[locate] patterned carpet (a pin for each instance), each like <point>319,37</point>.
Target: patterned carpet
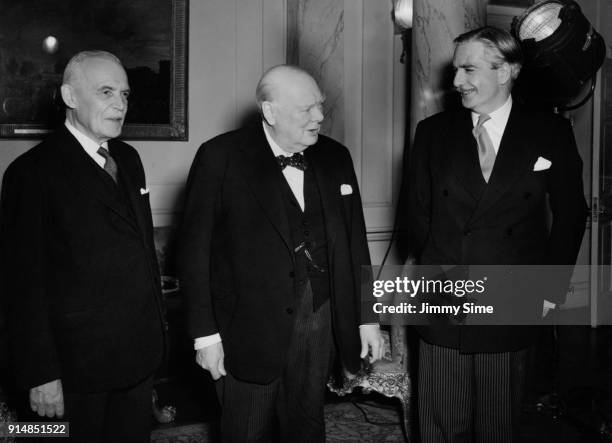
<point>195,433</point>
<point>345,422</point>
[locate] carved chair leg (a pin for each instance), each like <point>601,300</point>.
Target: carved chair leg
<point>406,419</point>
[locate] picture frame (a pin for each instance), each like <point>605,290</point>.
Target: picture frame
<point>150,37</point>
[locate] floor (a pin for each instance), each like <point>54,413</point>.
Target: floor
<point>580,413</point>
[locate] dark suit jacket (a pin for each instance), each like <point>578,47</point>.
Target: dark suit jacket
<point>235,252</point>
<point>81,279</point>
<point>458,219</point>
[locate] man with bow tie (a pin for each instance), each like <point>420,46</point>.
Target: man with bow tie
<point>479,184</point>
<point>81,285</point>
<point>270,252</point>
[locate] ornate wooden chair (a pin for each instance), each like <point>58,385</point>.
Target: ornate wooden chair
<point>388,376</point>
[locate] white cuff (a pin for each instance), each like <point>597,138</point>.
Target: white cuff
<point>202,342</point>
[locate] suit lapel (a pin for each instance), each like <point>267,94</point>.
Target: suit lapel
<point>464,163</point>
<point>131,190</point>
<point>81,170</point>
<point>265,179</point>
<point>328,190</point>
<point>512,161</point>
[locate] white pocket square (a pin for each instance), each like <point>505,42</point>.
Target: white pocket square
<point>346,189</point>
<point>541,164</point>
<point>144,191</point>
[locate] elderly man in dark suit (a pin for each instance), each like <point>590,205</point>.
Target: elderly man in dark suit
<point>479,182</point>
<point>271,248</point>
<point>82,285</point>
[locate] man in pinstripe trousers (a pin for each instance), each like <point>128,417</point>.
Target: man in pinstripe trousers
<point>272,243</point>
<point>479,182</point>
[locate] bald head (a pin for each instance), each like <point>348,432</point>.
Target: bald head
<point>74,67</point>
<point>291,105</point>
<point>277,78</point>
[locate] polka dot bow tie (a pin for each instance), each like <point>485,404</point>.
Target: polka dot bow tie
<point>296,160</point>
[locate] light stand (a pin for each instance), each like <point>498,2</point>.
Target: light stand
<point>563,52</point>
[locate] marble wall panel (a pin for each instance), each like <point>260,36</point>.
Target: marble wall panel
<point>316,43</point>
<point>435,24</point>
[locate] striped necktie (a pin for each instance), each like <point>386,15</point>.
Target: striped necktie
<point>109,165</point>
<point>486,152</point>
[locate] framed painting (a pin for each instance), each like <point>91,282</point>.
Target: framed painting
<point>38,37</point>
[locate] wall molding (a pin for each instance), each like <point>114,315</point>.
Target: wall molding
<point>375,107</point>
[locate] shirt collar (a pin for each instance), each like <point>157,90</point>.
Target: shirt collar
<point>276,150</point>
<point>90,146</point>
<point>499,117</point>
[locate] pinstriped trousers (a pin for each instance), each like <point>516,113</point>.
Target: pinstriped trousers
<point>289,409</point>
<point>465,398</point>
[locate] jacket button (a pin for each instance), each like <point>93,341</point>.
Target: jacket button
<point>306,233</point>
<point>467,233</point>
<point>291,274</point>
<point>289,311</point>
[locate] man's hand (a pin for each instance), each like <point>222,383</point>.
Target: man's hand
<point>211,359</point>
<point>371,340</point>
<point>48,399</point>
<point>547,307</point>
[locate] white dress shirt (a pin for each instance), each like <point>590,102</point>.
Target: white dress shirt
<point>90,146</point>
<point>294,176</point>
<point>496,125</point>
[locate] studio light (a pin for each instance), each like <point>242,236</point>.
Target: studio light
<point>563,52</point>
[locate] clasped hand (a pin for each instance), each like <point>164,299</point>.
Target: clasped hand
<point>372,342</point>
<point>48,399</point>
<point>211,358</point>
